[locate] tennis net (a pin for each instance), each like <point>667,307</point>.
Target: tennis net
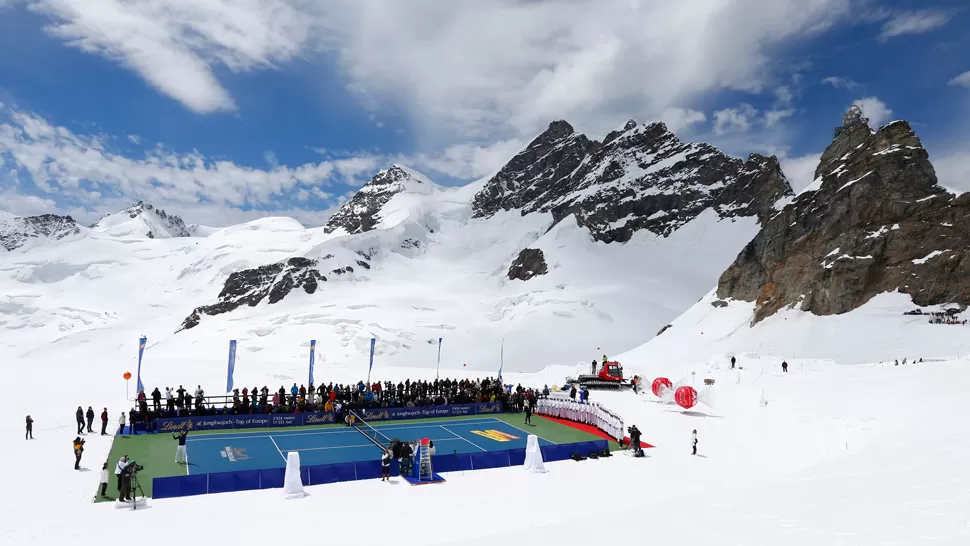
<point>370,432</point>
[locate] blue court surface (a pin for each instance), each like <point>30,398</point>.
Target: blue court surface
<point>224,452</point>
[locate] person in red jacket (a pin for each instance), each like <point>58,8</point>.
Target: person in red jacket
<point>104,422</point>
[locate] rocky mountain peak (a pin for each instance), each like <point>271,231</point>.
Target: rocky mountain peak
<point>157,223</point>
<point>362,212</point>
<point>641,177</point>
<point>19,231</point>
<point>873,221</point>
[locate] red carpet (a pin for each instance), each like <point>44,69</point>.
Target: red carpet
<point>591,430</point>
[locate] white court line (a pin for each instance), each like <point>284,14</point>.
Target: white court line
<point>466,439</point>
<point>263,433</point>
<point>277,448</point>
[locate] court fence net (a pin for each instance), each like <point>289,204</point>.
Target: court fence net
<point>369,431</point>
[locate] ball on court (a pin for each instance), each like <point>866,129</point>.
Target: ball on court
<point>464,364</point>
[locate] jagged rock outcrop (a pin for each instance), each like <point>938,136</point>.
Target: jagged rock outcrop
<point>529,263</point>
<point>17,231</point>
<point>251,286</point>
<point>362,212</point>
<point>640,177</point>
<point>873,221</point>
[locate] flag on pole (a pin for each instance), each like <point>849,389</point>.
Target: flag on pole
<point>373,341</point>
<point>232,364</point>
<point>439,359</point>
<point>313,346</point>
<point>141,351</point>
<point>501,357</point>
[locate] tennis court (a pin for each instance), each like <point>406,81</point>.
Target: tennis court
<point>223,452</point>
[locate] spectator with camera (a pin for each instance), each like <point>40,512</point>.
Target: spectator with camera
<point>78,450</point>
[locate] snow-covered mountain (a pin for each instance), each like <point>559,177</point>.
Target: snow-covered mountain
<point>638,230</point>
<point>27,231</point>
<point>144,220</point>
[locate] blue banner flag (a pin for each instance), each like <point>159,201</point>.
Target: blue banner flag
<point>501,357</point>
<point>232,364</point>
<point>313,347</point>
<point>439,359</point>
<point>141,350</point>
<point>373,341</point>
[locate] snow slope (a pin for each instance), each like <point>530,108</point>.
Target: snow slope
<point>863,455</point>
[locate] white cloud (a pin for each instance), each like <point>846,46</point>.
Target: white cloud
<point>505,68</point>
<point>738,119</point>
<point>467,161</point>
<point>680,119</point>
<point>800,170</point>
<point>68,167</point>
<point>962,80</point>
<point>913,22</point>
<point>953,170</point>
<point>783,96</point>
<point>840,83</point>
<point>772,117</point>
<point>876,110</point>
<point>175,44</point>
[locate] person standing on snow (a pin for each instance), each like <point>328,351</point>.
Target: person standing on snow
<point>78,450</point>
<point>90,416</point>
<point>121,421</point>
<point>30,429</point>
<point>784,366</point>
<point>104,422</point>
<point>593,367</point>
<point>733,361</point>
<point>79,417</point>
<point>181,449</point>
<point>693,442</point>
<point>104,480</point>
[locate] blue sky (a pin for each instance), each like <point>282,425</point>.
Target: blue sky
<point>227,110</point>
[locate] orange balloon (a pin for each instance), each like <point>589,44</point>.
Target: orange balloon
<point>127,376</point>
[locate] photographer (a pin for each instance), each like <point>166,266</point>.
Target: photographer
<point>78,450</point>
<point>128,476</point>
<point>635,441</point>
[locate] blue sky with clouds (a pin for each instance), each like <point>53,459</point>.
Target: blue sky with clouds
<point>227,110</point>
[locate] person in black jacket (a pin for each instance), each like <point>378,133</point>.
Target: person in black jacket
<point>104,422</point>
<point>79,415</point>
<point>30,429</point>
<point>157,400</point>
<point>90,416</point>
<point>528,413</point>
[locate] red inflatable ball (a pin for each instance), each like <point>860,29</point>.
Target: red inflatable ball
<point>660,384</point>
<point>686,397</point>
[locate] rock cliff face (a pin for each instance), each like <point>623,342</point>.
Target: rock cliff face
<point>17,231</point>
<point>251,286</point>
<point>873,221</point>
<point>362,213</point>
<point>640,177</point>
<point>529,263</point>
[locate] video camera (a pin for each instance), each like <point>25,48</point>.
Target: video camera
<point>133,467</point>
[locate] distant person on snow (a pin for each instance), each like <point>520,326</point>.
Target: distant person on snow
<point>90,416</point>
<point>784,367</point>
<point>121,421</point>
<point>181,436</point>
<point>79,417</point>
<point>733,362</point>
<point>104,422</point>
<point>104,480</point>
<point>693,441</point>
<point>30,429</point>
<point>593,367</point>
<point>78,450</point>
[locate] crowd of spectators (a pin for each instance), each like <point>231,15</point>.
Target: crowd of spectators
<point>338,398</point>
<point>950,316</point>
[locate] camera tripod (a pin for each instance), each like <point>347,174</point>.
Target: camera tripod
<point>135,486</point>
